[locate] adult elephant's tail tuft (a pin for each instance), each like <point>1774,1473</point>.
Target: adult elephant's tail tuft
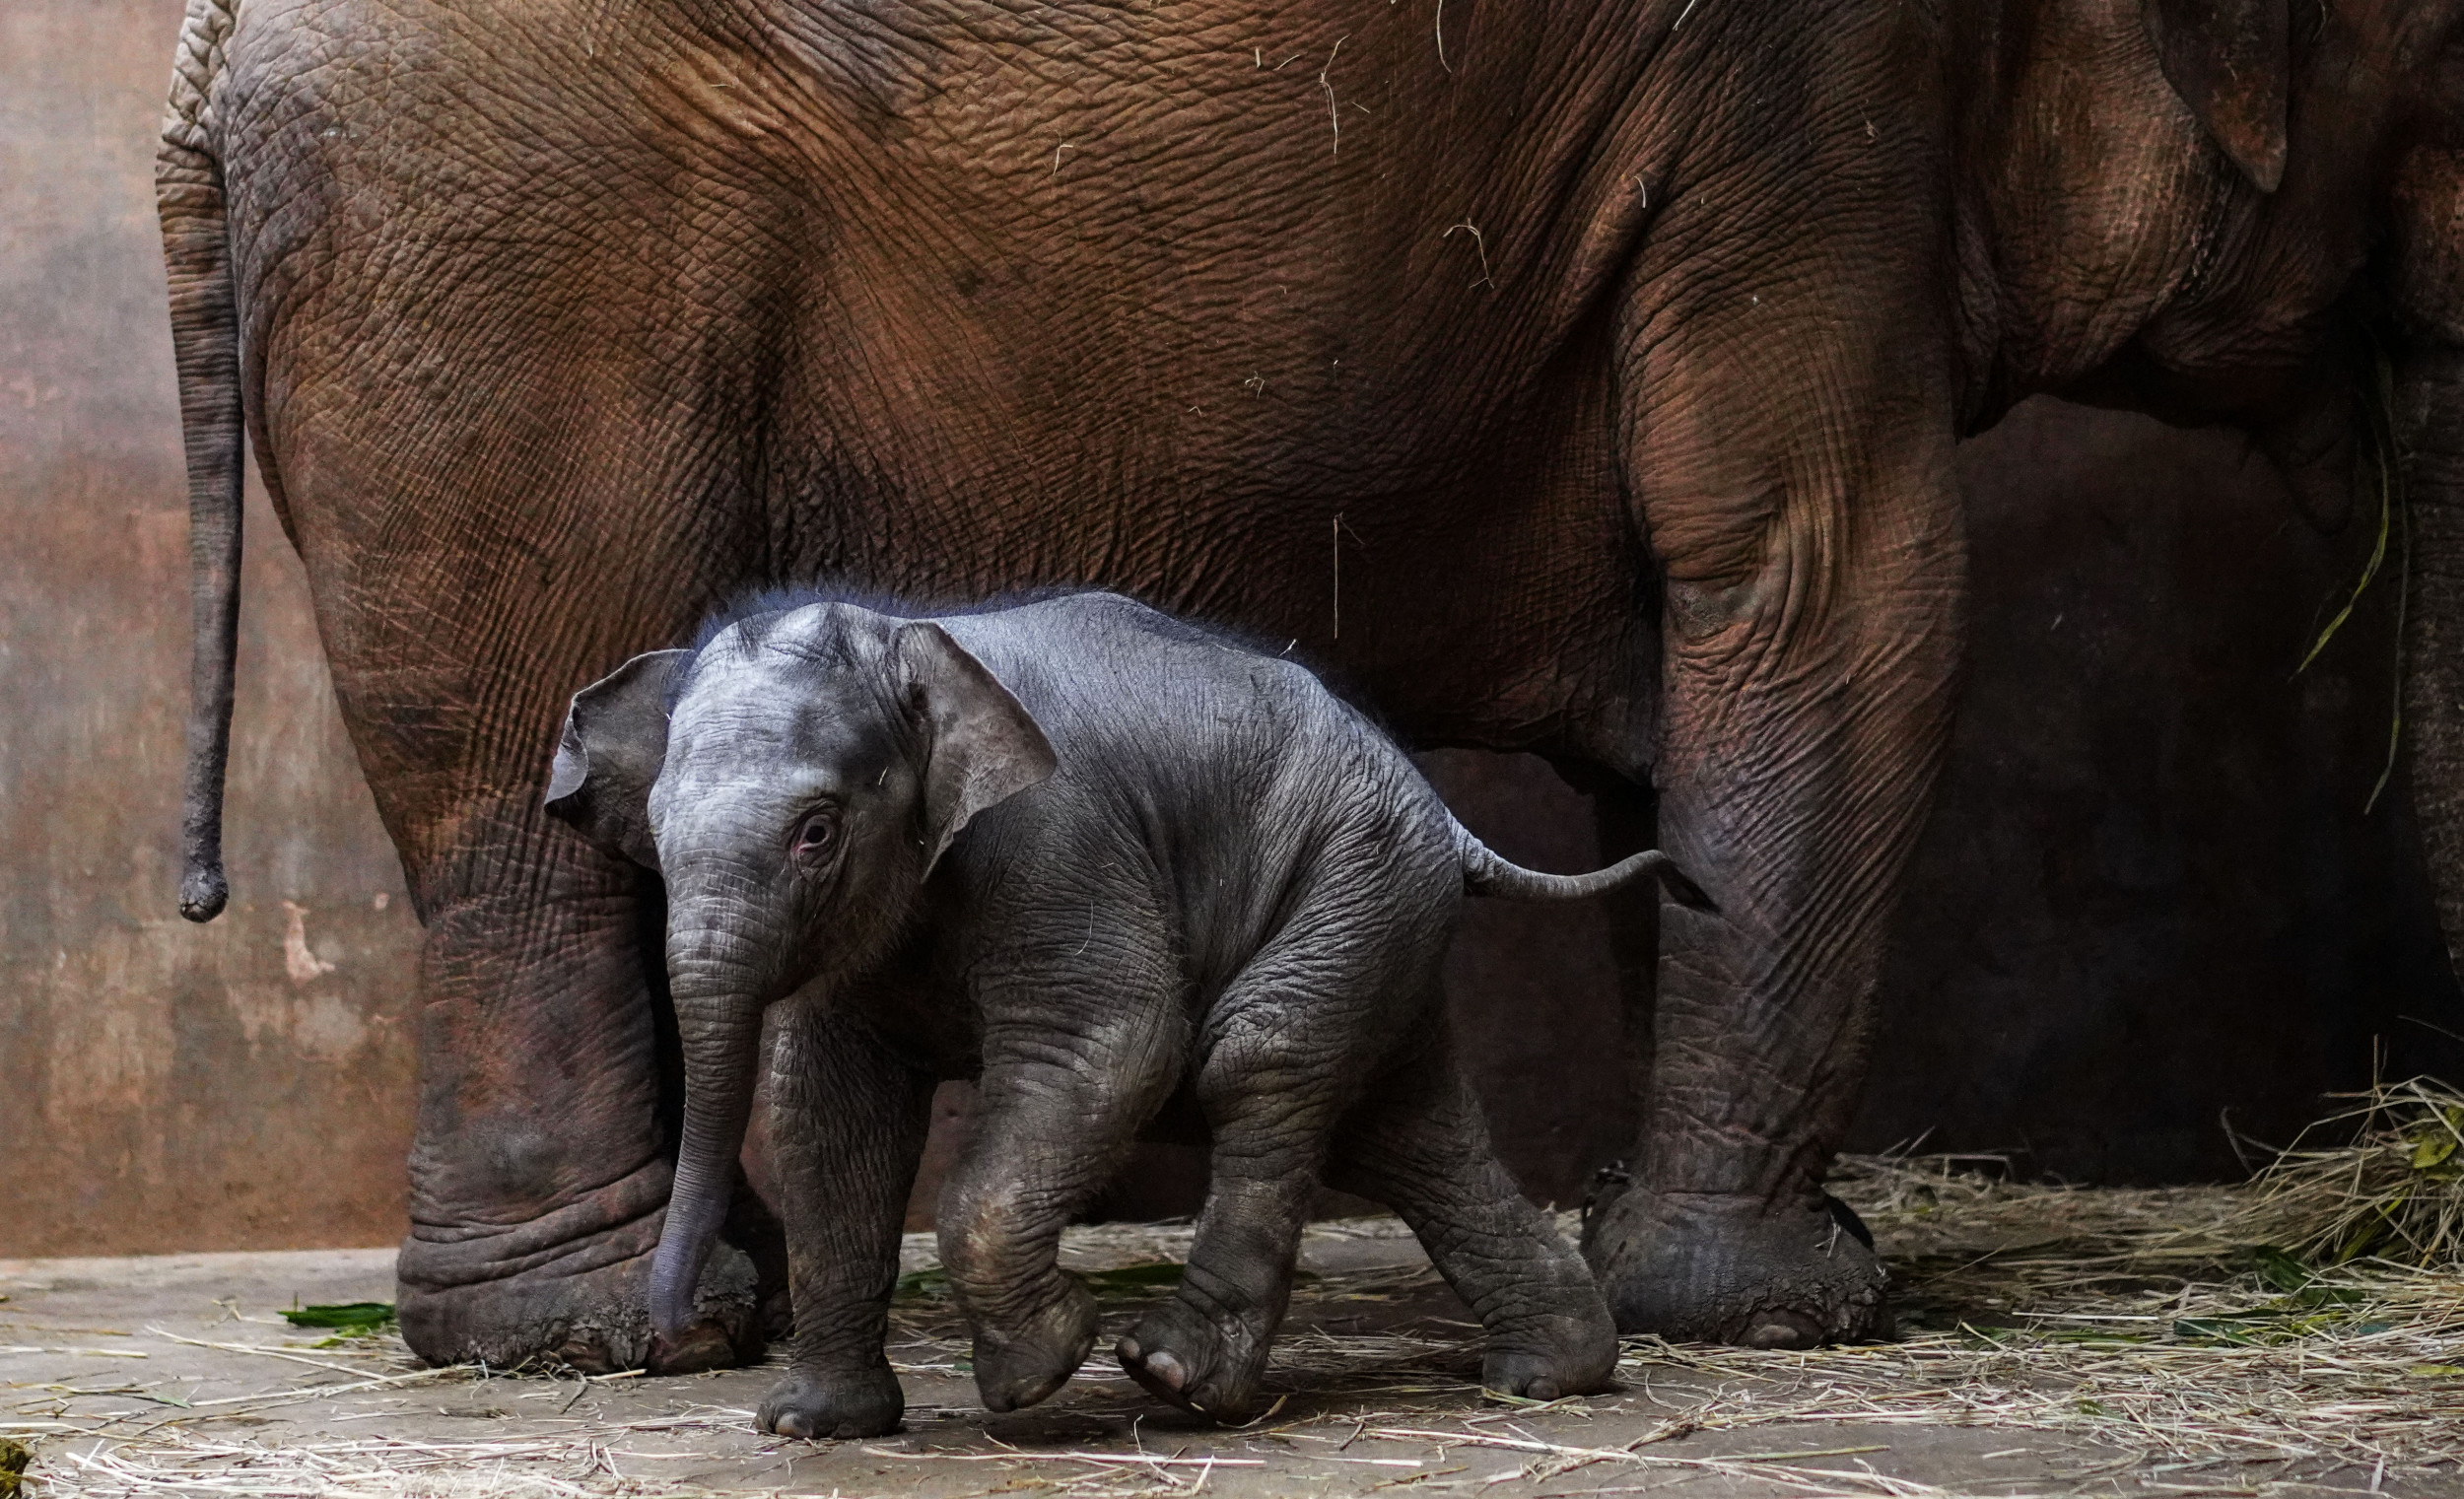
<point>1485,872</point>
<point>205,338</point>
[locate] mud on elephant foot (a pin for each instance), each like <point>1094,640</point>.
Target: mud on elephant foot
<point>1699,1268</point>
<point>596,1320</point>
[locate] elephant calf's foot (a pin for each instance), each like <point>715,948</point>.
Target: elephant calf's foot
<point>1571,1352</point>
<point>819,1404</point>
<point>1697,1267</point>
<point>1022,1365</point>
<point>1179,1355</point>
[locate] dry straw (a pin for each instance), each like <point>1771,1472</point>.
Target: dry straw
<point>2383,1180</point>
<point>2310,1323</point>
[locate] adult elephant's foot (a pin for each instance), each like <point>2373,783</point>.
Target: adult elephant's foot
<point>1696,1267</point>
<point>571,1287</point>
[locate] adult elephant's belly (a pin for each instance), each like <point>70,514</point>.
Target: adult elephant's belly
<point>553,359</point>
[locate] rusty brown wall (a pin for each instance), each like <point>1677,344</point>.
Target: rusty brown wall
<point>2151,894</point>
<point>161,1086</point>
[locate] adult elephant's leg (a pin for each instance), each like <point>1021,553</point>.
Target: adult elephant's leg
<point>540,1169</point>
<point>1626,818</point>
<point>1789,447</point>
<point>2431,401</point>
<point>473,564</point>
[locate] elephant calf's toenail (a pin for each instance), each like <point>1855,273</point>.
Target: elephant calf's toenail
<point>1167,1370</point>
<point>792,1425</point>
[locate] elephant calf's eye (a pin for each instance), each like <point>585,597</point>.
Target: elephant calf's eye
<point>815,836</point>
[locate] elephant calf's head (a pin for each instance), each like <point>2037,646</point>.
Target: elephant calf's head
<point>794,782</point>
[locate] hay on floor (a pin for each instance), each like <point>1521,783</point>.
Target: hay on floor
<point>2383,1179</point>
<point>2314,1316</point>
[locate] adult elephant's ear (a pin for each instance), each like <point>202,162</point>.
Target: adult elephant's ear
<point>982,746</point>
<point>615,740</point>
<point>2232,62</point>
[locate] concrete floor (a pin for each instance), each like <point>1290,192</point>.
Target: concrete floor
<point>180,1372</point>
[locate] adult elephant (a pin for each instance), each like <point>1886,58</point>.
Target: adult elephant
<point>1576,376</point>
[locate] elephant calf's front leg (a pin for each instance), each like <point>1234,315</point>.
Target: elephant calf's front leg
<point>851,1129</point>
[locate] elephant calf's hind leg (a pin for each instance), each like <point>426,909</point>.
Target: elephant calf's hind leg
<point>1419,1144</point>
<point>1292,1040</point>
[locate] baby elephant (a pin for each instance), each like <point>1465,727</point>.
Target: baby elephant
<point>1188,876</point>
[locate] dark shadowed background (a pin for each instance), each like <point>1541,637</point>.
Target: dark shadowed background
<point>2151,894</point>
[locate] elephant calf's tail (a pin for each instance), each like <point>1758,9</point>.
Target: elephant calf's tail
<point>1485,872</point>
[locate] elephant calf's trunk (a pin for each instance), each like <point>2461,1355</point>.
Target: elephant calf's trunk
<point>721,1052</point>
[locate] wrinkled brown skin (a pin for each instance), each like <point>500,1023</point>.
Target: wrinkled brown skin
<point>1617,353</point>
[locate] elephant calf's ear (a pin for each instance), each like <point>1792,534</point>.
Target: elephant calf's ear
<point>615,740</point>
<point>982,746</point>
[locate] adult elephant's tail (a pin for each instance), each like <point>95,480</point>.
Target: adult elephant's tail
<point>205,338</point>
<point>1486,872</point>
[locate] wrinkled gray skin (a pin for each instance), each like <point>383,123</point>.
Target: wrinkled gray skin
<point>1190,879</point>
